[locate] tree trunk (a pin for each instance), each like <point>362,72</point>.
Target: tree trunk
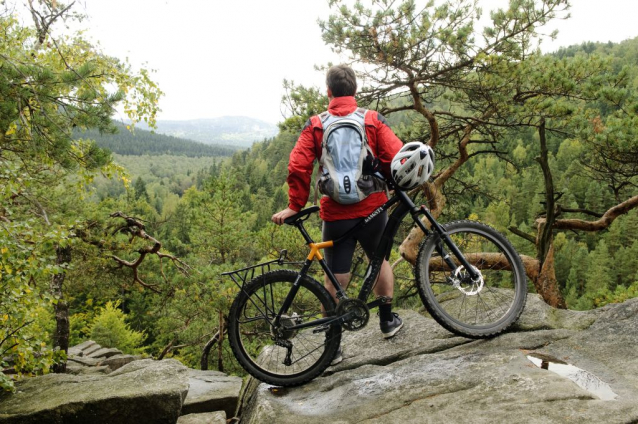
<point>546,284</point>
<point>433,191</point>
<point>545,232</point>
<point>61,308</point>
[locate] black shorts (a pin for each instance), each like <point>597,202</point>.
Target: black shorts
<point>339,257</point>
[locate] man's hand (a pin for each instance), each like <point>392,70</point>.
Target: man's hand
<point>279,217</point>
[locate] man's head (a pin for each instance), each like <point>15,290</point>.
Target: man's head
<point>341,81</point>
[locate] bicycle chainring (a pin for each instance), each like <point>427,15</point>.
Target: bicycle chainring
<point>358,309</point>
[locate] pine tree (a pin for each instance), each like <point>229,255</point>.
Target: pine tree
<point>140,190</point>
<point>599,275</point>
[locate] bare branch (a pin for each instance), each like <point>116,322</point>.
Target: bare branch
<point>523,234</point>
<point>135,228</point>
<point>604,222</point>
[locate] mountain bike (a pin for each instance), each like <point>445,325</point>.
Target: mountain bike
<point>284,327</point>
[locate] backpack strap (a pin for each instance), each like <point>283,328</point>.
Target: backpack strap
<point>323,116</point>
<point>322,119</point>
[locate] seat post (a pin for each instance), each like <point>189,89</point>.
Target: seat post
<point>304,233</point>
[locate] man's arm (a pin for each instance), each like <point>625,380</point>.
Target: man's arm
<point>300,168</point>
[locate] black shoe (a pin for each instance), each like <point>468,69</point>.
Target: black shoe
<point>390,328</point>
<point>338,357</point>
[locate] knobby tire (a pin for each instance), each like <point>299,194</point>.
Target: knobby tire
<point>472,310</point>
<point>251,333</point>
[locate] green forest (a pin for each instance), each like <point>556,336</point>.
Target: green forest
<point>141,142</point>
<point>123,239</point>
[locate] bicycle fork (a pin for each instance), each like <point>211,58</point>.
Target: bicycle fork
<point>443,235</point>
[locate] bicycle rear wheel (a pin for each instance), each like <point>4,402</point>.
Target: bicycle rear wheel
<point>275,353</point>
<point>478,308</point>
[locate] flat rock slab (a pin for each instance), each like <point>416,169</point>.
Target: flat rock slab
<point>426,375</point>
<point>78,350</point>
<point>145,391</point>
<point>118,361</point>
<point>218,417</point>
<point>83,360</point>
<point>211,391</point>
<point>74,368</point>
<point>419,335</point>
<point>105,353</point>
<point>89,350</point>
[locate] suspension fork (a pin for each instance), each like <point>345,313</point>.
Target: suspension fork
<point>443,235</point>
<point>440,231</point>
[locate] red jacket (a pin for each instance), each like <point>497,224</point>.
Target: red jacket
<point>383,142</point>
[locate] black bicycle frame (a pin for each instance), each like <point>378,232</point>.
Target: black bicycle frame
<point>382,252</point>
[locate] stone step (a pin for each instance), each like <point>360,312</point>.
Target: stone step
<point>145,391</point>
<point>78,350</point>
<point>117,361</point>
<point>104,353</point>
<point>211,391</point>
<point>218,417</point>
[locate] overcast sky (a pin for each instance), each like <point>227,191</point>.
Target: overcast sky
<point>229,57</point>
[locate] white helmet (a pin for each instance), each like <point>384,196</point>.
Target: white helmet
<point>412,165</point>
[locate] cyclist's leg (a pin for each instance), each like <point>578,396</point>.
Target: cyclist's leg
<point>339,257</point>
<point>385,283</point>
<point>343,279</point>
<point>369,238</point>
<point>389,323</point>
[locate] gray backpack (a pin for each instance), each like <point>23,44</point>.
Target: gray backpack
<point>345,155</point>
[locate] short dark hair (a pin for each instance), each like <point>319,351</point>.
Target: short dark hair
<point>341,80</point>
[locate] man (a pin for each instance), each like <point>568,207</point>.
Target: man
<point>339,218</point>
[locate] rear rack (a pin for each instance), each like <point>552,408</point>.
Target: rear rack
<point>241,276</point>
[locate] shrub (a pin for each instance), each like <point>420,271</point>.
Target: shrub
<point>109,329</point>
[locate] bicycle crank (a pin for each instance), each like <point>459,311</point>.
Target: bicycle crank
<point>355,312</point>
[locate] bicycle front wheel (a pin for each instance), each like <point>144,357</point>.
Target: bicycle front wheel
<point>272,351</point>
<point>475,308</point>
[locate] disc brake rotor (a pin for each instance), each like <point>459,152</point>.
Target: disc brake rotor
<point>465,284</point>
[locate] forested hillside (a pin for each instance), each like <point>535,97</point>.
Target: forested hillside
<point>127,249</point>
<point>142,142</point>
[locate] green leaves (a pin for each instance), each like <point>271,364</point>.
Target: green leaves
<point>25,259</point>
<point>110,329</point>
<point>302,103</point>
<point>50,85</point>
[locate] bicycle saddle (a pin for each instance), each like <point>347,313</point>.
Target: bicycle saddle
<point>301,214</point>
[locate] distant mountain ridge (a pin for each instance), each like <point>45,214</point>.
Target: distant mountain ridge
<point>238,131</point>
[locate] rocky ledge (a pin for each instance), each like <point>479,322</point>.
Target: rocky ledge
<point>106,386</point>
<point>555,366</point>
